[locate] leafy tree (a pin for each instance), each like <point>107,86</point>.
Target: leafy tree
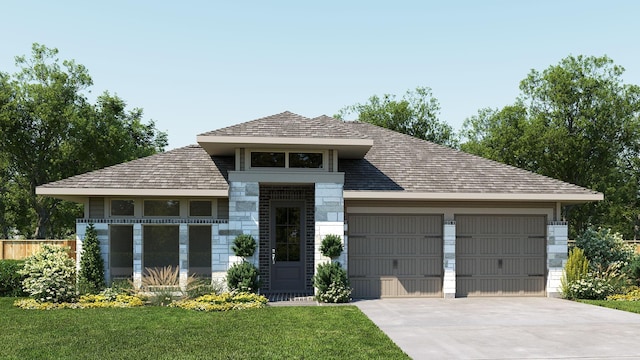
<point>91,275</point>
<point>49,131</point>
<point>575,121</point>
<point>416,114</point>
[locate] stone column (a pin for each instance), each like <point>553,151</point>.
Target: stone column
<point>557,236</point>
<point>137,255</point>
<point>183,254</point>
<point>219,252</point>
<point>449,259</point>
<point>244,218</point>
<point>81,230</point>
<point>329,219</point>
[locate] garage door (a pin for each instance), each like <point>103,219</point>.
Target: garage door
<point>395,255</point>
<point>500,255</point>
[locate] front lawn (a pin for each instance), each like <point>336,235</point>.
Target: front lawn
<point>315,332</point>
<point>630,306</point>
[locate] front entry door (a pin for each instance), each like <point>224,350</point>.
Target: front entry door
<point>287,247</point>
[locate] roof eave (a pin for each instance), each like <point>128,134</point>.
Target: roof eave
<point>67,192</point>
<point>226,145</point>
<point>428,196</point>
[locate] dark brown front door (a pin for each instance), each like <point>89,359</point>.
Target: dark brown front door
<point>287,246</point>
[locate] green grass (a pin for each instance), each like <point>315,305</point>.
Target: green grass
<point>315,332</point>
<point>630,306</point>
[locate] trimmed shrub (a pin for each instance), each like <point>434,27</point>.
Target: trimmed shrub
<point>331,246</point>
<point>243,277</point>
<point>91,275</point>
<point>332,283</point>
<point>576,268</point>
<point>50,275</point>
<point>603,247</point>
<point>244,245</point>
<point>10,279</point>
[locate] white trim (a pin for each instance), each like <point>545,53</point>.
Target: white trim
<point>406,195</point>
<point>450,212</point>
<point>226,145</point>
<point>122,192</point>
<point>269,140</point>
<point>284,176</point>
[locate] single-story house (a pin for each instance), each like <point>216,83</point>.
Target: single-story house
<point>417,219</point>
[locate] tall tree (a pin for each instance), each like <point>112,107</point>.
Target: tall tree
<point>575,121</point>
<point>416,114</point>
<point>49,131</point>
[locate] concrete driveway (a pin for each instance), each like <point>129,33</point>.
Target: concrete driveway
<point>505,328</point>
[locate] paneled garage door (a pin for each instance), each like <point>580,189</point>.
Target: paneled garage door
<point>500,255</point>
<point>395,255</point>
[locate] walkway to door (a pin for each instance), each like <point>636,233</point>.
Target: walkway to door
<point>505,328</point>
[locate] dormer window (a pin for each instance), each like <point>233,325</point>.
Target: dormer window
<point>288,159</point>
<point>305,160</point>
<point>267,159</point>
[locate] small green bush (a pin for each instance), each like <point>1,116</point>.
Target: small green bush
<point>633,270</point>
<point>576,268</point>
<point>331,246</point>
<point>50,275</point>
<point>243,277</point>
<point>603,247</point>
<point>332,283</point>
<point>10,279</point>
<point>91,274</point>
<point>244,245</point>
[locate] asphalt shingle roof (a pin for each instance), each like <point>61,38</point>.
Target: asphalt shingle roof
<point>401,162</point>
<point>288,124</point>
<point>395,162</point>
<point>189,167</point>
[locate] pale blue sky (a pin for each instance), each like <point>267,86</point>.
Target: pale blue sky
<point>195,66</point>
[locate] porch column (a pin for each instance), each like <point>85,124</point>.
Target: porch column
<point>449,259</point>
<point>329,219</point>
<point>219,254</point>
<point>137,255</point>
<point>183,255</point>
<point>81,230</point>
<point>243,219</point>
<point>557,253</point>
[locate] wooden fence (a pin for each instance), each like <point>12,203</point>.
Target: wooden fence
<point>635,243</point>
<point>20,249</point>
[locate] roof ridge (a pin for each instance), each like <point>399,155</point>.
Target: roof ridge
<point>245,123</point>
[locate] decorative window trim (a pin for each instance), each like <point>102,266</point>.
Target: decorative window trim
<point>125,221</point>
